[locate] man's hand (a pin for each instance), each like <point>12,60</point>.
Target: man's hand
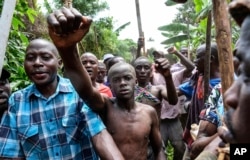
<point>163,66</point>
<point>67,27</point>
<point>171,50</point>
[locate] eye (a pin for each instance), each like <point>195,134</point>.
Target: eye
<point>46,57</point>
<point>93,62</point>
<point>115,80</point>
<point>147,67</point>
<point>138,67</point>
<point>30,58</point>
<point>127,78</point>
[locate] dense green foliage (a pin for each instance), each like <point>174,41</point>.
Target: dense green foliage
<point>29,22</point>
<point>189,27</point>
<point>18,40</point>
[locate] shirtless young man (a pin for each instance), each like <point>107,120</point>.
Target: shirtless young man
<point>130,123</point>
<point>156,93</point>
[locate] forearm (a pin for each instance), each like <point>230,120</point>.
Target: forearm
<point>106,147</point>
<point>74,70</point>
<point>185,61</point>
<point>199,144</point>
<point>171,90</point>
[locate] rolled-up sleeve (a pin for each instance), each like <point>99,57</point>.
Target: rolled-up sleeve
<point>94,122</point>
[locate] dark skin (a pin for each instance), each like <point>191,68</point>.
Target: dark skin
<point>102,72</point>
<point>41,63</point>
<point>143,71</point>
<point>237,96</point>
<point>199,63</point>
<point>131,124</point>
<point>90,62</point>
<point>182,55</point>
<point>207,132</point>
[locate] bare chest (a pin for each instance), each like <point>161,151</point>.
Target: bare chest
<point>128,127</point>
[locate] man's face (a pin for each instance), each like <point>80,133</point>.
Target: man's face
<point>199,60</point>
<point>143,70</point>
<point>4,91</point>
<point>237,95</point>
<point>90,63</point>
<point>41,63</point>
<point>122,82</point>
<point>184,52</point>
<point>101,73</point>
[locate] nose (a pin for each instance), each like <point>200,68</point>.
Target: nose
<point>142,69</point>
<point>123,82</point>
<point>231,96</point>
<point>38,61</point>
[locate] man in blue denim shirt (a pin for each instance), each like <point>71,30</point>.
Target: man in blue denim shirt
<point>48,120</point>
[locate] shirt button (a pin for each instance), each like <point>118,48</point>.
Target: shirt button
<point>57,154</point>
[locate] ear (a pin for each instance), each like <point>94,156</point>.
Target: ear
<point>60,64</point>
<point>212,58</point>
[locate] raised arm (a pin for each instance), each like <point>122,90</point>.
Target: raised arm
<point>67,27</point>
<point>184,60</point>
<point>169,92</point>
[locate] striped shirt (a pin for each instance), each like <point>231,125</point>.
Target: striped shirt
<point>58,127</point>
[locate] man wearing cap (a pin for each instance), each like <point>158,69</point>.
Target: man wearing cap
<point>106,58</point>
<point>4,91</point>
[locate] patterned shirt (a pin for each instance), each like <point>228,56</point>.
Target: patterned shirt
<point>59,127</point>
<point>214,107</point>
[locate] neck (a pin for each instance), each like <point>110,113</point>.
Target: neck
<point>143,84</point>
<point>48,89</point>
<point>126,104</point>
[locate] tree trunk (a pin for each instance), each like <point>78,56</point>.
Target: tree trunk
<point>223,39</point>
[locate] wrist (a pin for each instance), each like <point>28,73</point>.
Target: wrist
<point>168,77</point>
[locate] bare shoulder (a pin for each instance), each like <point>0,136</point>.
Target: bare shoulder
<point>158,87</point>
<point>145,107</point>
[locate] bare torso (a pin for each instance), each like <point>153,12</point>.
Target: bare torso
<point>130,129</point>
